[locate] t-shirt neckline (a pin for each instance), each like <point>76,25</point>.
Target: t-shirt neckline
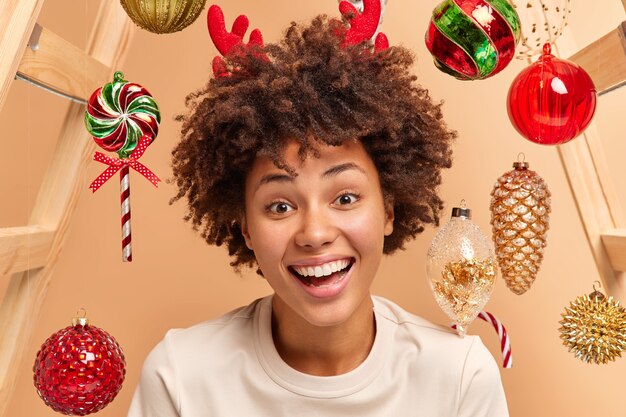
<point>318,386</point>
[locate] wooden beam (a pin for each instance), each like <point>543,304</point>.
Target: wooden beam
<point>55,204</point>
<point>593,208</point>
<point>605,60</point>
<point>615,244</point>
<point>24,248</point>
<point>62,67</point>
<point>17,18</point>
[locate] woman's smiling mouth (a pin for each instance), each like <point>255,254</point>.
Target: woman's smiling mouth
<point>323,280</point>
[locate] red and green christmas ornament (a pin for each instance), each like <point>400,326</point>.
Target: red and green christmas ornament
<point>119,114</point>
<point>122,117</point>
<point>473,39</point>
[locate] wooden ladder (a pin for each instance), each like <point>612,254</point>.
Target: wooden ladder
<point>28,253</point>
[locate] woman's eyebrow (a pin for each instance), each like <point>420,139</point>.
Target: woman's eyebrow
<point>338,169</point>
<point>333,171</point>
<point>273,178</point>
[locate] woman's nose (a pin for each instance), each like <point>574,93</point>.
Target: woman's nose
<point>316,229</point>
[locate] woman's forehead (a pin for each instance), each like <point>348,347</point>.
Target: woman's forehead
<point>318,155</point>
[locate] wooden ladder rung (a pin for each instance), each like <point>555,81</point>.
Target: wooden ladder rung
<point>605,60</point>
<point>60,66</point>
<point>615,244</point>
<point>24,248</point>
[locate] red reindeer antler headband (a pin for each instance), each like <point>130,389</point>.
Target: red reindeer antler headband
<point>363,25</point>
<point>226,41</point>
<point>362,28</point>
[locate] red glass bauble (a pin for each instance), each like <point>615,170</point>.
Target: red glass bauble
<point>79,370</point>
<point>551,101</point>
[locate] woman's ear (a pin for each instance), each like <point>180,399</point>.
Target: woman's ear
<point>245,233</point>
<point>389,216</point>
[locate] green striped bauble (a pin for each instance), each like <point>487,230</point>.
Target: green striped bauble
<point>473,39</point>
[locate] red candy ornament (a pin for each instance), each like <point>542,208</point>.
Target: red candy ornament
<point>79,370</point>
<point>551,101</point>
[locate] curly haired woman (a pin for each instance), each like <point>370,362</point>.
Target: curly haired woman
<point>309,162</point>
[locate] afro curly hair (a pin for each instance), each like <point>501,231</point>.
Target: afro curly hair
<point>310,90</point>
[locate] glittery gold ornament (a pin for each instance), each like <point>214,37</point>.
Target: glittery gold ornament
<point>594,328</point>
<point>163,16</point>
<point>520,208</point>
<point>464,288</point>
<point>461,268</point>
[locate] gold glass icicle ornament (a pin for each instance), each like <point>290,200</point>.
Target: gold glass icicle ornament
<point>520,208</point>
<point>594,328</point>
<point>461,269</point>
<point>163,16</point>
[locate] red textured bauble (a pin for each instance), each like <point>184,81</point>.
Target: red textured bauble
<point>79,370</point>
<point>551,101</point>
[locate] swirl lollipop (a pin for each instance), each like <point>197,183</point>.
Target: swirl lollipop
<point>122,117</point>
<point>119,114</point>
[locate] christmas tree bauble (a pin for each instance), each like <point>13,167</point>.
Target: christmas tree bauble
<point>163,16</point>
<point>551,101</point>
<point>520,216</point>
<point>594,328</point>
<point>79,370</point>
<point>473,39</point>
<point>461,269</point>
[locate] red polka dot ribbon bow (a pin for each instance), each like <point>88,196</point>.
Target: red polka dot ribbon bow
<point>115,164</point>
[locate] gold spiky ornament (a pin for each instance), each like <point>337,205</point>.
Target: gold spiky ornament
<point>594,328</point>
<point>520,208</point>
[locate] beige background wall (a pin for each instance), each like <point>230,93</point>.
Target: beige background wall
<point>176,279</point>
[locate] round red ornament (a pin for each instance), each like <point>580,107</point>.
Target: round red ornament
<point>79,370</point>
<point>551,101</point>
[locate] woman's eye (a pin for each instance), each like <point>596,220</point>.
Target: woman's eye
<point>348,198</point>
<point>278,207</point>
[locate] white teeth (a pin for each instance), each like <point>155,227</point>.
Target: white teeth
<point>321,270</point>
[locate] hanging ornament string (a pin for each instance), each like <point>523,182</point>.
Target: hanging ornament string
<point>505,341</point>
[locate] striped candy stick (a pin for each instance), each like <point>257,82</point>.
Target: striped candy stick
<point>123,165</point>
<point>505,342</point>
<point>127,253</point>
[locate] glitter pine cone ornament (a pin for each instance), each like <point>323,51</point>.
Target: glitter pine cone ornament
<point>80,369</point>
<point>594,328</point>
<point>520,208</point>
